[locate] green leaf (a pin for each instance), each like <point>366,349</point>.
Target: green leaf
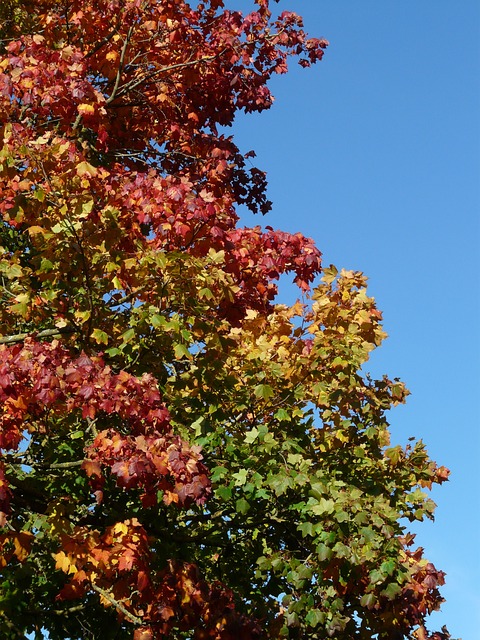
<point>181,351</point>
<point>99,336</point>
<point>39,194</point>
<point>388,567</point>
<point>342,516</point>
<point>13,271</point>
<point>323,506</point>
<point>315,617</point>
<point>368,600</point>
<point>376,576</point>
<point>392,590</point>
<point>206,294</point>
<point>128,335</point>
<point>280,483</point>
<point>264,391</point>
<point>394,454</point>
<point>282,415</point>
<point>240,477</point>
<point>157,320</point>
<point>225,493</point>
<point>242,506</point>
<point>20,308</point>
<point>324,552</point>
<point>368,534</point>
<point>112,352</point>
<point>46,266</point>
<point>251,436</point>
<point>218,473</point>
<point>306,529</point>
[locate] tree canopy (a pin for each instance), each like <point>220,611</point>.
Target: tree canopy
<point>182,456</point>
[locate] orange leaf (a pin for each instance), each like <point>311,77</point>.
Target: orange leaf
<point>22,543</point>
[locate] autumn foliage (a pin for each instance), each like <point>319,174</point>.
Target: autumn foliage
<point>181,455</point>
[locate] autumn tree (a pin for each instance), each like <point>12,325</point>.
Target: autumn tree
<point>181,455</point>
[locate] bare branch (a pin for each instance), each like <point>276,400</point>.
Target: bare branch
<point>62,612</point>
<point>128,297</point>
<point>91,427</point>
<point>66,465</point>
<point>46,333</point>
<point>120,66</point>
<point>117,605</point>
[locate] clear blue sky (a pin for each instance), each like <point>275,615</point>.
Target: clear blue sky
<point>376,155</point>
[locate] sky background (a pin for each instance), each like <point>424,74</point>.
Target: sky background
<point>375,153</point>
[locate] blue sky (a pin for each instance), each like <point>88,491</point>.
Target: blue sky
<point>376,155</point>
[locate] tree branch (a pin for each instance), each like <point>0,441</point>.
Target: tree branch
<point>46,333</point>
<point>102,43</point>
<point>91,427</point>
<point>62,612</point>
<point>66,465</point>
<point>133,84</point>
<point>117,605</point>
<point>126,298</point>
<point>12,627</point>
<point>111,98</point>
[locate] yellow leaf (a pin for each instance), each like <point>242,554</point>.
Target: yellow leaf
<point>65,146</point>
<point>120,527</point>
<point>42,139</point>
<point>105,602</point>
<point>64,562</point>
<point>58,522</point>
<point>35,230</point>
<point>82,316</point>
<point>85,109</point>
<point>86,169</point>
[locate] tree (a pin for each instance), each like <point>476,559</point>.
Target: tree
<point>181,455</point>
